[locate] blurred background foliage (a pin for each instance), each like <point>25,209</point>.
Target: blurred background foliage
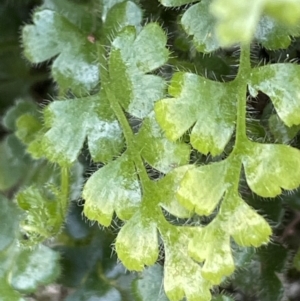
<point>80,264</point>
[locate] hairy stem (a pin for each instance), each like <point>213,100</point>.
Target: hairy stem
<point>117,109</point>
<point>241,79</point>
<point>65,190</point>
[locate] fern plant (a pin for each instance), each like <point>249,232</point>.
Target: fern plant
<point>178,154</point>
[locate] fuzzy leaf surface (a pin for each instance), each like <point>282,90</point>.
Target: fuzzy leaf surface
<point>182,275</point>
<point>53,35</point>
<point>199,22</point>
<point>157,150</point>
<point>113,187</point>
<point>270,167</point>
<point>137,242</point>
<point>134,54</point>
<point>202,188</point>
<point>206,106</point>
<point>247,227</point>
<point>70,122</point>
<point>125,13</point>
<point>284,95</point>
<point>272,34</point>
<point>216,252</point>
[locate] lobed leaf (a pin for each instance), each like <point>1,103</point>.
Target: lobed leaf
<point>70,122</point>
<point>272,34</point>
<point>284,95</point>
<point>207,104</point>
<point>182,275</point>
<point>246,226</point>
<point>75,66</point>
<point>212,245</point>
<point>120,15</point>
<point>199,22</point>
<point>133,55</point>
<point>114,187</point>
<point>137,242</point>
<point>269,168</point>
<point>159,152</point>
<point>201,189</point>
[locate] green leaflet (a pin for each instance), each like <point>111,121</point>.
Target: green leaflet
<point>137,242</point>
<point>183,276</point>
<point>202,188</point>
<point>75,66</point>
<point>272,34</point>
<point>121,15</point>
<point>271,167</point>
<point>284,96</point>
<point>114,187</point>
<point>207,104</point>
<point>134,54</point>
<point>70,122</point>
<point>212,245</point>
<point>204,32</point>
<point>33,268</point>
<point>158,151</point>
<point>81,14</point>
